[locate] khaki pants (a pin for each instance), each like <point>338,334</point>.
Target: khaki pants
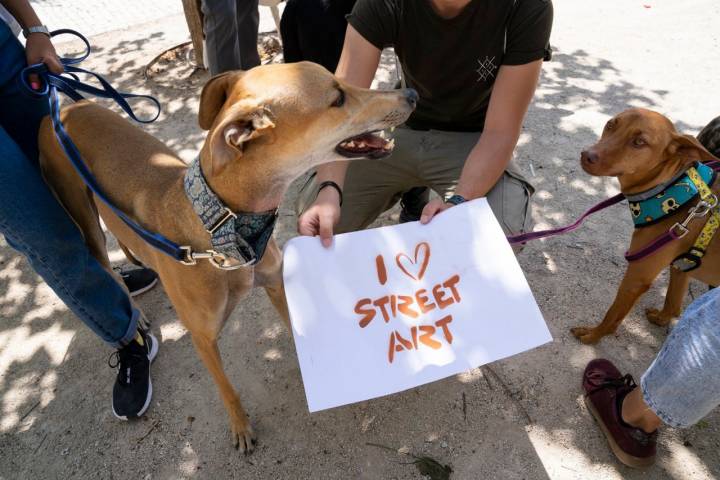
<point>430,158</point>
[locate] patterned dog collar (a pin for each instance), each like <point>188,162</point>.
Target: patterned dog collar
<point>239,235</point>
<point>652,206</point>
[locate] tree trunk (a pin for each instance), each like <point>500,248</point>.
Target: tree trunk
<point>194,18</point>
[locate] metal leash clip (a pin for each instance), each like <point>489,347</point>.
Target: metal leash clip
<point>217,259</point>
<point>698,211</point>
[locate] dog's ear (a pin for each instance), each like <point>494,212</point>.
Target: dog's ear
<point>232,134</point>
<point>689,147</point>
<point>213,97</point>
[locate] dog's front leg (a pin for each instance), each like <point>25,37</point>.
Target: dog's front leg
<point>276,293</point>
<point>242,433</point>
<point>631,288</point>
<point>269,275</point>
<point>676,291</point>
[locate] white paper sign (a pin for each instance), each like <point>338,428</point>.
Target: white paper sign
<point>391,308</point>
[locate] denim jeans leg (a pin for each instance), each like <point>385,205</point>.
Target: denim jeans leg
<point>681,386</point>
<point>35,223</point>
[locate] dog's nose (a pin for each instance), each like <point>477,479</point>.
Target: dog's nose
<point>589,156</point>
<point>411,96</point>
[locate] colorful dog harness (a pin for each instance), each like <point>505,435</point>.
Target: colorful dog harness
<point>654,205</point>
<point>692,259</point>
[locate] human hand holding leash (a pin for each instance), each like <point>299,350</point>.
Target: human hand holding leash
<point>39,49</point>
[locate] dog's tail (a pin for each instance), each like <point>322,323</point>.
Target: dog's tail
<point>709,137</point>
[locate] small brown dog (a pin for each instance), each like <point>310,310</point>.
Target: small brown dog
<point>267,126</point>
<point>643,150</point>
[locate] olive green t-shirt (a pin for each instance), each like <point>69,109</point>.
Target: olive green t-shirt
<point>452,63</point>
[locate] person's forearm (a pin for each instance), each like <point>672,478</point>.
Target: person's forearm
<point>333,172</point>
<point>486,163</point>
<point>357,65</point>
<point>23,12</point>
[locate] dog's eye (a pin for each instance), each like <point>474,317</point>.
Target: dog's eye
<point>340,100</point>
<point>609,125</point>
<point>638,142</point>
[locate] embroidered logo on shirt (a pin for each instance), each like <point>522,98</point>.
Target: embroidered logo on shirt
<point>487,68</point>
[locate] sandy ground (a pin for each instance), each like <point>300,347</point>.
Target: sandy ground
<point>55,384</point>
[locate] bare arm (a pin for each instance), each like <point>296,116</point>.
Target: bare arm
<point>513,91</point>
<point>38,48</point>
<point>357,67</point>
<point>23,12</point>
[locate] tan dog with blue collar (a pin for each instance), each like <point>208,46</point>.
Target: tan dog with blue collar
<point>648,156</point>
<point>266,127</point>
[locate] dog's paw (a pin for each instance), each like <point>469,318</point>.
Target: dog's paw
<point>243,436</point>
<point>586,335</point>
<point>657,317</point>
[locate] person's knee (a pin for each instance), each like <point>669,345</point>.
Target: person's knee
<point>510,200</point>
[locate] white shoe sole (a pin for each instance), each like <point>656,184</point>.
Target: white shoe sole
<point>144,289</point>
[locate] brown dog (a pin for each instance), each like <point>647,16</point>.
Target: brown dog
<point>267,126</point>
<point>642,149</point>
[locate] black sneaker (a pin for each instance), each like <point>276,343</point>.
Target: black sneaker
<point>138,279</point>
<point>412,202</point>
<point>132,391</point>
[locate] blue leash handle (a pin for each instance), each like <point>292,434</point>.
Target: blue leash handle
<point>69,84</point>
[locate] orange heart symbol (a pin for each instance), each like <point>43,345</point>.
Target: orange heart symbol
<point>407,265</point>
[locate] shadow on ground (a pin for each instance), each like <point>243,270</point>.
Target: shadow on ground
<point>55,385</point>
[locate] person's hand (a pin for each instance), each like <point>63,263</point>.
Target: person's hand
<point>39,49</point>
<point>432,208</point>
<point>321,217</point>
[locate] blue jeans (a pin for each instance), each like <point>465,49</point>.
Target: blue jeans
<point>36,225</point>
<point>683,383</point>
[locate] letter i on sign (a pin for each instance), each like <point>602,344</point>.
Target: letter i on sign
<point>381,270</point>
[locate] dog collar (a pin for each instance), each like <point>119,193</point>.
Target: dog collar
<point>655,204</point>
<point>242,236</point>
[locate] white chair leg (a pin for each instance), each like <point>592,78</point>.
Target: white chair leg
<point>276,16</point>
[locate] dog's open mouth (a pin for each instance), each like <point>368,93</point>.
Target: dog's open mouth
<point>370,145</point>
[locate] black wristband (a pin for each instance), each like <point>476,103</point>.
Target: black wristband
<point>456,199</point>
<point>330,183</point>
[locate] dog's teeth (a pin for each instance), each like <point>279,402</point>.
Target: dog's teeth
<point>351,144</point>
<point>392,129</point>
<point>382,134</point>
<point>362,145</point>
<point>389,145</point>
<point>344,144</point>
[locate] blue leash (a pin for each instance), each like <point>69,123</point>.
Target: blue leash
<point>69,84</point>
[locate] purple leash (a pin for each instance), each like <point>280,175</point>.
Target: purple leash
<point>647,250</point>
<point>526,237</point>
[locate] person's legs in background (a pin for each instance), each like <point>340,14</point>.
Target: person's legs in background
<point>248,22</point>
<point>314,31</point>
<point>36,225</point>
<point>680,387</point>
<point>231,29</point>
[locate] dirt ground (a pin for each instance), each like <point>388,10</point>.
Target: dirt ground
<point>55,384</point>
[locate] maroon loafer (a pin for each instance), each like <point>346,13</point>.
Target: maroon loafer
<point>605,387</point>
